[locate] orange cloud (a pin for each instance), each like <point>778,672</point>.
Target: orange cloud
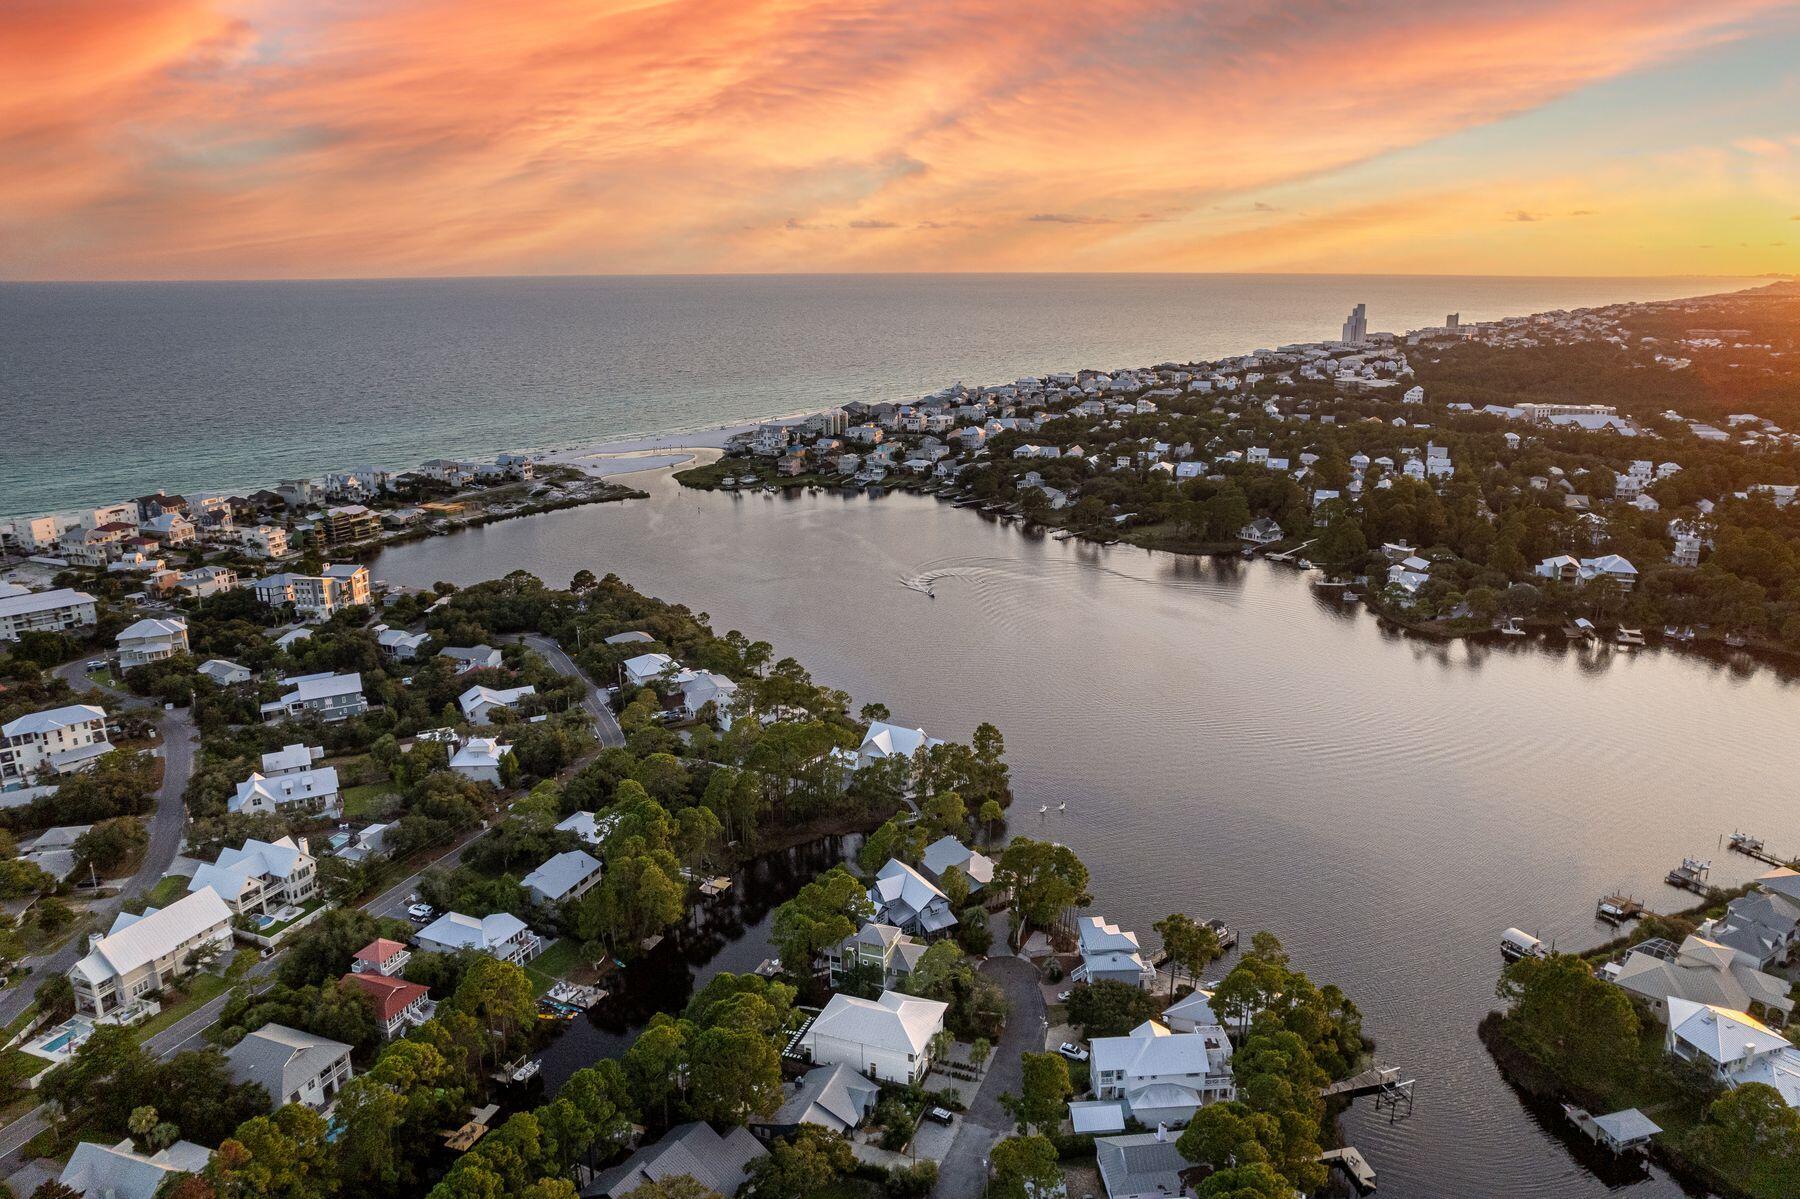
<point>178,138</point>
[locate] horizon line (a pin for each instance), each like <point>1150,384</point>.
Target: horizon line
<point>1773,276</point>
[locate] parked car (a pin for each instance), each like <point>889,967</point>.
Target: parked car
<point>1063,996</point>
<point>1073,1052</point>
<point>938,1115</point>
<point>419,913</point>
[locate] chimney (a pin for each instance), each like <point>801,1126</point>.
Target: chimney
<point>1162,1131</point>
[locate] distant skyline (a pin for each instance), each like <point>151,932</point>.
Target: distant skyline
<point>186,139</point>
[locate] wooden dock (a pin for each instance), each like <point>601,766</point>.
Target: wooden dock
<point>1691,875</point>
<point>1369,1082</point>
<point>1752,847</point>
<point>1354,1165</point>
<point>1618,908</point>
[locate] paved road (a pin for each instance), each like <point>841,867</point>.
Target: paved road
<point>605,724</point>
<point>963,1172</point>
<point>178,750</point>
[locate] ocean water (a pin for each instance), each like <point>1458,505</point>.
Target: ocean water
<point>113,390</point>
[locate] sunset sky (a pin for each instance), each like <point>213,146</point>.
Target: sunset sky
<point>175,139</point>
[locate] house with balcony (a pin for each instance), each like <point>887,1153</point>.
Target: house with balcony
<point>152,640</point>
<point>292,1066</point>
<point>330,697</point>
<point>399,1005</point>
<point>1162,1077</point>
<point>875,946</point>
<point>141,954</point>
<point>55,611</point>
<point>261,876</point>
<point>909,901</point>
<point>479,703</point>
<point>381,956</point>
<point>501,935</point>
<point>56,741</point>
<point>1109,953</point>
<point>313,791</point>
<point>569,875</point>
<point>479,758</point>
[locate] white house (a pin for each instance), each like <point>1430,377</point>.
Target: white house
<point>587,826</point>
<point>702,687</point>
<point>1109,953</point>
<point>380,956</point>
<point>836,1098</point>
<point>1193,1012</point>
<point>569,875</point>
<point>152,640</point>
<point>144,953</point>
<point>301,790</point>
<point>645,669</point>
<point>59,740</point>
<point>887,1038</point>
<point>400,645</point>
<point>55,611</point>
<point>884,740</point>
<point>479,759</point>
<point>260,875</point>
<point>501,935</point>
<point>479,703</point>
<point>1162,1077</point>
<point>292,1066</point>
<point>330,697</point>
<point>1735,1046</point>
<point>909,901</point>
<point>291,759</point>
<point>343,585</point>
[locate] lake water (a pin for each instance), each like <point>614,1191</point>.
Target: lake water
<point>116,389</point>
<point>1230,742</point>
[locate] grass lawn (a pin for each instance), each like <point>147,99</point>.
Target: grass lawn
<point>370,801</point>
<point>201,989</point>
<point>166,891</point>
<point>553,964</point>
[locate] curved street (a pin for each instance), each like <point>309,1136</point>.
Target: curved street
<point>963,1174</point>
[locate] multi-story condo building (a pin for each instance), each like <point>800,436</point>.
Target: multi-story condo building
<point>57,741</point>
<point>56,611</point>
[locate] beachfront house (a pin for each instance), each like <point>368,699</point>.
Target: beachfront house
<point>875,946</point>
<point>399,1005</point>
<point>329,697</point>
<point>1162,1077</point>
<point>888,1038</point>
<point>1261,531</point>
<point>55,741</point>
<point>501,935</point>
<point>569,875</point>
<point>152,640</point>
<point>479,759</point>
<point>312,791</point>
<point>97,1171</point>
<point>836,1098</point>
<point>1110,954</point>
<point>259,876</point>
<point>909,901</point>
<point>884,740</point>
<point>1702,971</point>
<point>140,954</point>
<point>479,703</point>
<point>292,1066</point>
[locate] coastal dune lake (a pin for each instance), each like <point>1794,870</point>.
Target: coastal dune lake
<point>1232,742</point>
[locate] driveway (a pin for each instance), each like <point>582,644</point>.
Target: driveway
<point>178,751</point>
<point>963,1173</point>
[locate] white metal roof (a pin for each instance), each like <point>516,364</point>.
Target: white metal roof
<point>52,719</point>
<point>154,934</point>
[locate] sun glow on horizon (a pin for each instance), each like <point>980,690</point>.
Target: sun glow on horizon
<point>209,139</point>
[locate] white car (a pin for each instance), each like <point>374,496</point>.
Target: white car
<point>1063,996</point>
<point>1073,1052</point>
<point>419,913</point>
